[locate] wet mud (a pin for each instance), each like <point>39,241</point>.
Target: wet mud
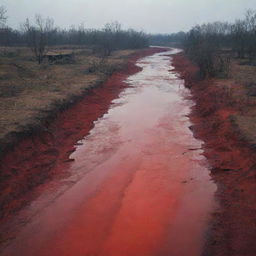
<point>133,182</point>
<point>45,153</point>
<point>232,162</point>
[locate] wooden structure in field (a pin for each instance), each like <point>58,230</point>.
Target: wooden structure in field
<point>60,56</point>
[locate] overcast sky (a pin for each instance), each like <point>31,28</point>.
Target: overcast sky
<point>154,16</point>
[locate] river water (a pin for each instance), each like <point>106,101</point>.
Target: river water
<point>139,184</point>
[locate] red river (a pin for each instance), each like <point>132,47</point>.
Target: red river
<point>139,184</point>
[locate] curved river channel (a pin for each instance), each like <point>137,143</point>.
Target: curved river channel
<point>139,184</point>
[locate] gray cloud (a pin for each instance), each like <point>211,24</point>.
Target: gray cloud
<point>156,16</point>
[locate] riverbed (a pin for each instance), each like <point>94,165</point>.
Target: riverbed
<point>138,183</point>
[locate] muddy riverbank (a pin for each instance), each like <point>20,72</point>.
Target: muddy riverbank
<point>32,93</point>
<point>44,148</point>
<point>232,160</point>
<point>136,184</point>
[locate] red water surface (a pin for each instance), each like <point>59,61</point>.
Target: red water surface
<point>45,153</point>
<point>137,185</point>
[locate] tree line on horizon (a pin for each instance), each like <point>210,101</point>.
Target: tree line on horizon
<point>212,45</point>
<point>41,33</point>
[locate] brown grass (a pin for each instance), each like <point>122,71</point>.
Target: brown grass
<point>27,90</point>
<point>223,108</point>
<point>242,89</point>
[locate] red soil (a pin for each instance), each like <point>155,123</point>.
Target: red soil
<point>46,154</point>
<point>233,164</point>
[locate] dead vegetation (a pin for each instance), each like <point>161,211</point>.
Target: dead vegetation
<point>224,118</point>
<point>242,91</point>
<point>28,90</point>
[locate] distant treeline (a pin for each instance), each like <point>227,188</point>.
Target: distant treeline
<point>175,39</point>
<point>41,33</point>
<point>113,36</point>
<point>209,45</point>
<point>212,45</point>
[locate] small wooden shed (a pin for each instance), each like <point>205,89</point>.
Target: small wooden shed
<point>63,56</point>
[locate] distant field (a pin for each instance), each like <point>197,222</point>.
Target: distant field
<point>243,92</point>
<point>27,89</point>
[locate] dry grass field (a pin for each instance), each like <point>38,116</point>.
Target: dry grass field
<point>242,89</point>
<point>29,90</point>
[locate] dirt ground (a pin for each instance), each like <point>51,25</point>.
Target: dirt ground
<point>31,162</point>
<point>30,92</point>
<point>224,118</point>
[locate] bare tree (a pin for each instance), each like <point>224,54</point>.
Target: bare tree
<point>244,36</point>
<point>239,38</point>
<point>250,25</point>
<point>38,35</point>
<point>203,44</point>
<point>3,17</point>
<point>110,36</point>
